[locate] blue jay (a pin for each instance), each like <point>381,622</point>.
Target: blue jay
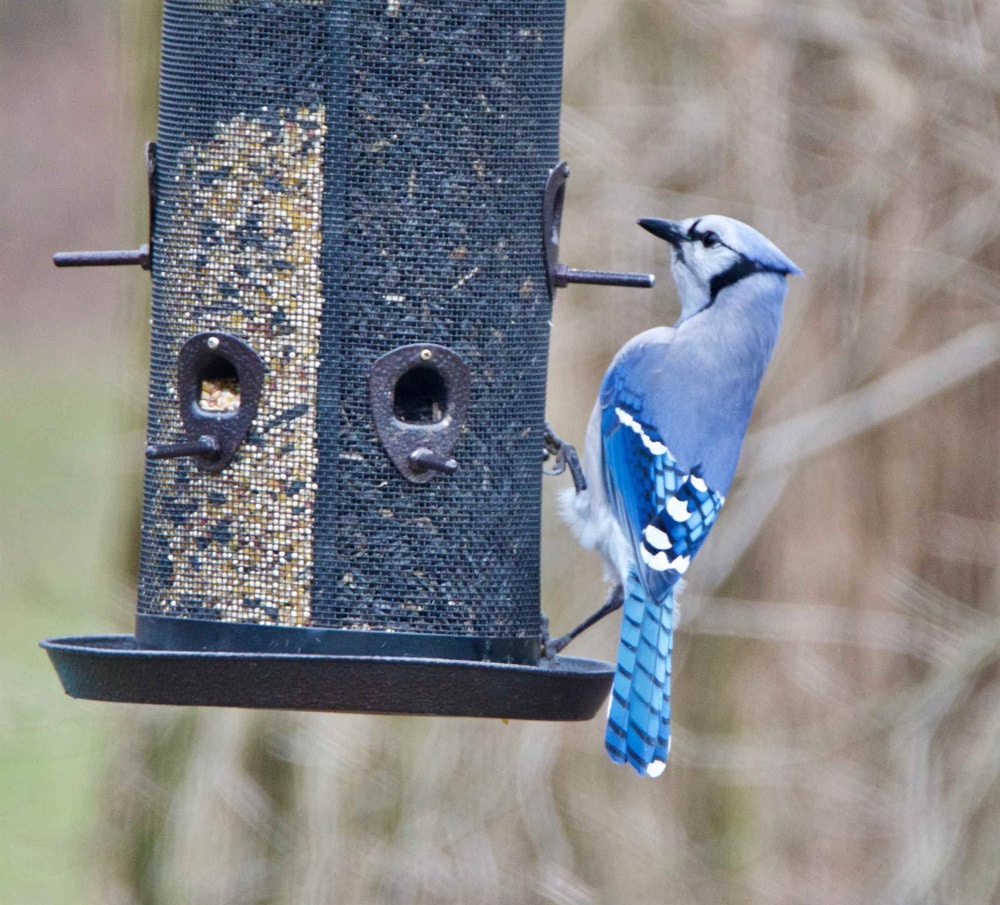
<point>661,450</point>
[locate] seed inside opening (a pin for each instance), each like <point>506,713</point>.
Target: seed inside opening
<point>220,386</point>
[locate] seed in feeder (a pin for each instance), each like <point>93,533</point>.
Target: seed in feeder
<point>256,255</point>
<point>221,394</point>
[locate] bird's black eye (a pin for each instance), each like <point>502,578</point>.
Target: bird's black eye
<point>710,239</point>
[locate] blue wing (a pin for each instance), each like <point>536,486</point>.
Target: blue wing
<point>664,510</point>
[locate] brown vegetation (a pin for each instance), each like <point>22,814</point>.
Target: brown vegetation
<point>836,691</point>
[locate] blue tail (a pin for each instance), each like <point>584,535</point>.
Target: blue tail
<point>638,730</point>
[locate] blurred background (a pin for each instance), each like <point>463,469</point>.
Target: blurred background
<point>836,684</point>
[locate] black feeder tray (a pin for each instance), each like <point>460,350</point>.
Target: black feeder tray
<point>354,218</point>
<point>116,668</point>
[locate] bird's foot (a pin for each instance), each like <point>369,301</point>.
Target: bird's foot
<point>565,456</point>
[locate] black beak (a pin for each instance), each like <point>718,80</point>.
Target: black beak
<point>664,229</point>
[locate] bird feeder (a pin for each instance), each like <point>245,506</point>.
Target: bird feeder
<point>354,251</point>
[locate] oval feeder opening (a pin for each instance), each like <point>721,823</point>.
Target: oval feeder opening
<point>219,382</point>
<point>420,396</point>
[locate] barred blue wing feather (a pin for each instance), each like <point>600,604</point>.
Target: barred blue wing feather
<point>676,533</point>
<point>644,461</point>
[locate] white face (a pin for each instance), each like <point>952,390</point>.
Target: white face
<point>694,262</point>
<point>712,253</point>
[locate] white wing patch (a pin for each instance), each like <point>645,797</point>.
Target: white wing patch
<point>657,539</point>
<point>654,446</point>
<point>677,509</point>
<point>660,562</point>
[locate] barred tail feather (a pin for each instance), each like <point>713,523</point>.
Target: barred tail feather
<point>638,730</point>
<point>663,735</point>
<point>632,611</point>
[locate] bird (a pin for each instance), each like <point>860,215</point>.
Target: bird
<point>661,450</point>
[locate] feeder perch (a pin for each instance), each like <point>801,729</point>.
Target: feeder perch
<point>353,246</point>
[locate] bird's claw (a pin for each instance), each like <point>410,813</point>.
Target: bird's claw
<point>565,456</point>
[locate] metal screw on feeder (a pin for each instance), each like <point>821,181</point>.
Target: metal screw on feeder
<point>206,446</point>
<point>565,275</point>
<point>347,379</point>
<point>423,459</point>
<point>140,256</point>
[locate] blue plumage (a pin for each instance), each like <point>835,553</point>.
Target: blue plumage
<point>662,448</point>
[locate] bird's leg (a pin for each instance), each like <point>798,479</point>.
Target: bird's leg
<point>566,456</point>
<point>614,602</point>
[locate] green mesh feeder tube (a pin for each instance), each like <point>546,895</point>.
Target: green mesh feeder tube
<point>352,287</point>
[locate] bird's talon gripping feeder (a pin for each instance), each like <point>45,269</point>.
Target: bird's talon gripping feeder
<point>352,287</point>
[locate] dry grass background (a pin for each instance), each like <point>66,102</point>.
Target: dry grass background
<point>837,694</point>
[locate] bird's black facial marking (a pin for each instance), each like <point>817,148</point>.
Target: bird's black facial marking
<point>740,268</point>
<point>737,271</point>
<point>709,238</point>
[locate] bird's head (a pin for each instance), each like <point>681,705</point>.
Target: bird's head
<point>712,253</point>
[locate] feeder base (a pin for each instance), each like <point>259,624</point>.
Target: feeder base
<point>115,668</point>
